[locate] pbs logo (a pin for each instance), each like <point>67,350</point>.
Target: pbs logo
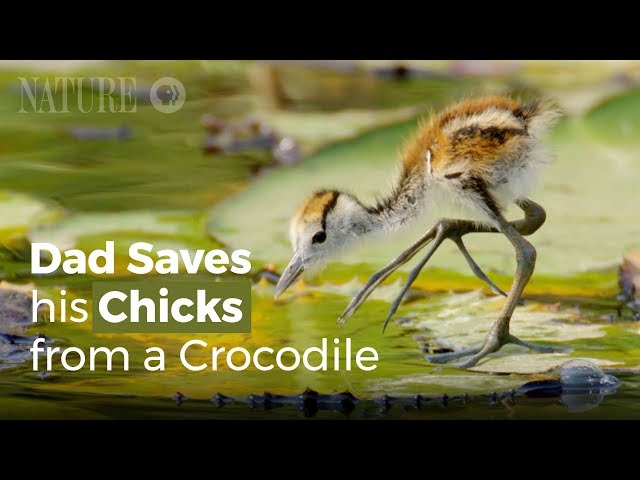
<point>167,95</point>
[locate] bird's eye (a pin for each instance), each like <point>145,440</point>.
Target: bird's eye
<point>319,237</point>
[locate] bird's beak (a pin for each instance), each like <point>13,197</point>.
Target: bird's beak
<point>290,274</point>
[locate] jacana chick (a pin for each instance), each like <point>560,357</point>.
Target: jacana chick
<point>481,154</point>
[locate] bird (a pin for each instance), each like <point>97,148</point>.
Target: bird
<point>480,154</point>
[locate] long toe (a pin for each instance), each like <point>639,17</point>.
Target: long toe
<point>471,362</point>
<point>492,343</point>
<point>486,350</point>
<point>536,347</point>
<point>450,356</point>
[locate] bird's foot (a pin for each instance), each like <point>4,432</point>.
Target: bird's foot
<point>492,344</point>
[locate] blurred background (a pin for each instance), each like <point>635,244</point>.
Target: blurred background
<point>228,169</point>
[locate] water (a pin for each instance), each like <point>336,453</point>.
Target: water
<point>623,404</point>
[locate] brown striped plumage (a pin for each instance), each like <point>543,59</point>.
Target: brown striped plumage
<point>478,132</point>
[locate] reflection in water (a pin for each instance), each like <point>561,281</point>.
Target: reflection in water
<point>584,385</point>
<point>580,384</point>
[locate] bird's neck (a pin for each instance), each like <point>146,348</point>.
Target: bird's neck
<point>398,208</point>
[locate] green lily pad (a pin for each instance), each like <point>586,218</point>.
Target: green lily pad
<point>19,213</point>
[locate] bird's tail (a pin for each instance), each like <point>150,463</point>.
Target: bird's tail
<point>540,116</point>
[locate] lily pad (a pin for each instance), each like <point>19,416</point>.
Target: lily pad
<point>19,213</point>
<point>316,129</point>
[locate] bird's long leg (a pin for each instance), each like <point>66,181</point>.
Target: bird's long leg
<point>499,334</point>
<point>534,218</point>
<point>526,261</point>
<point>446,229</point>
<point>442,231</point>
<point>379,277</point>
<point>475,268</point>
<point>457,239</point>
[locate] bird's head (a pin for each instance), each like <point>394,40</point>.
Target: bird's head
<point>325,223</point>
